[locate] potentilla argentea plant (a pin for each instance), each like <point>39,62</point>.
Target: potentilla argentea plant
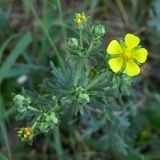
<point>91,86</point>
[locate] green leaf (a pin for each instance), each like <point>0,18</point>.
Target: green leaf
<point>3,128</point>
<point>3,47</point>
<point>16,52</point>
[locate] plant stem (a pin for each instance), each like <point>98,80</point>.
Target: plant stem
<point>89,49</point>
<point>79,68</point>
<point>35,123</point>
<point>33,109</point>
<point>81,38</point>
<point>81,63</point>
<point>95,81</point>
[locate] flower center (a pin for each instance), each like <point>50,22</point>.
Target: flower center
<point>127,54</point>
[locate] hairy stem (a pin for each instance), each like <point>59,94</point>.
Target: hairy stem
<point>81,63</point>
<point>33,109</point>
<point>35,123</point>
<point>79,68</point>
<point>81,38</point>
<point>97,80</point>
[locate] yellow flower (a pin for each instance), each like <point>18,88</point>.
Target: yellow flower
<point>128,55</point>
<point>25,133</point>
<point>80,18</point>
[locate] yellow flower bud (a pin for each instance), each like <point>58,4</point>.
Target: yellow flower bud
<point>25,133</point>
<point>78,21</point>
<point>80,18</point>
<point>92,73</point>
<point>83,18</point>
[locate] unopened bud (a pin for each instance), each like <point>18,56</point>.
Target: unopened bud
<point>73,43</point>
<point>99,30</point>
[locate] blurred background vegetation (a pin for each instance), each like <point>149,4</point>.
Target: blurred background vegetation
<point>33,32</point>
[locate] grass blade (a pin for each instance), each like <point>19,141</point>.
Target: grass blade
<point>3,47</point>
<point>16,52</point>
<point>47,35</point>
<point>4,129</point>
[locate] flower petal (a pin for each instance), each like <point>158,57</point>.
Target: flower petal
<point>132,68</point>
<point>140,55</point>
<point>131,41</point>
<point>114,47</point>
<point>116,64</point>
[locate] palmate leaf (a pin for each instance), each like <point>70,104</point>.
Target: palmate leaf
<point>61,83</point>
